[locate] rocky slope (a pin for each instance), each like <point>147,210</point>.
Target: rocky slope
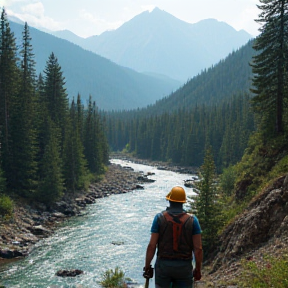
<point>262,229</point>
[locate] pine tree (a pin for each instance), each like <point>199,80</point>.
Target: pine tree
<point>8,90</point>
<point>23,132</point>
<point>51,184</point>
<point>2,179</point>
<point>270,65</point>
<point>55,94</point>
<point>74,160</point>
<point>92,139</point>
<point>205,204</point>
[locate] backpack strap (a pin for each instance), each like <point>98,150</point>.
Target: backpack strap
<point>178,220</point>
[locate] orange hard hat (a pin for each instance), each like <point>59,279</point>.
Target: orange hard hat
<point>177,194</point>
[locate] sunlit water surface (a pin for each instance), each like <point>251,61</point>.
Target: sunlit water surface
<point>86,242</point>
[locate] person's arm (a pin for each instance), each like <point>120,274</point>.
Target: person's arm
<point>198,253</point>
<point>151,248</point>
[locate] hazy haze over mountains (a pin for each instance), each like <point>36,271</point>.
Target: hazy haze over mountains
<point>157,42</point>
<point>110,85</point>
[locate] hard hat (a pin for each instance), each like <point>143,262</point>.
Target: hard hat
<point>177,194</point>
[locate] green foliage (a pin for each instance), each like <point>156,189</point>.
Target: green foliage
<point>270,66</point>
<point>113,279</point>
<point>95,144</point>
<point>9,85</point>
<point>262,160</point>
<point>75,164</point>
<point>205,204</point>
<point>227,181</point>
<point>6,205</point>
<point>23,132</point>
<point>51,179</point>
<point>272,272</point>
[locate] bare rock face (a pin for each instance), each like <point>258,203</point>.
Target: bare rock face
<point>265,218</point>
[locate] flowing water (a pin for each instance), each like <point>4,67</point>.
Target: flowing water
<point>114,232</point>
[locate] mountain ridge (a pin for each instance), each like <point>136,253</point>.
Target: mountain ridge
<point>111,86</point>
<point>160,43</point>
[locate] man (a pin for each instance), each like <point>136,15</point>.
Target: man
<point>176,235</point>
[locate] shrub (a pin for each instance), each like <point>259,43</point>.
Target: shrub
<point>113,279</point>
<point>6,206</point>
<point>227,180</point>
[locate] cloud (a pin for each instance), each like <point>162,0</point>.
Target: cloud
<point>98,24</point>
<point>7,3</point>
<point>35,9</point>
<point>34,15</point>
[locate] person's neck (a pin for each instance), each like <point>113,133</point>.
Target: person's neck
<point>176,207</point>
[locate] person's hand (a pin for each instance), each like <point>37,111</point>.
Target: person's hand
<point>197,274</point>
<point>148,272</point>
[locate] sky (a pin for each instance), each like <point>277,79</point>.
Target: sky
<point>92,17</point>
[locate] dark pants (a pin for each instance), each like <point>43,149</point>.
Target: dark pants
<point>173,274</point>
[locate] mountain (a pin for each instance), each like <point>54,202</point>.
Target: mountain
<point>213,86</point>
<point>69,36</point>
<point>157,42</point>
<point>110,85</point>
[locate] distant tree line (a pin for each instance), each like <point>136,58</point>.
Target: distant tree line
<point>48,147</point>
<point>181,136</point>
<point>213,109</point>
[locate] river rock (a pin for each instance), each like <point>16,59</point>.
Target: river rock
<point>139,187</point>
<point>11,253</point>
<point>145,179</point>
<point>117,242</point>
<point>40,230</point>
<point>69,273</point>
<point>58,215</point>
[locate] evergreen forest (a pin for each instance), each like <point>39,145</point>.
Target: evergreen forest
<point>49,147</point>
<point>213,109</point>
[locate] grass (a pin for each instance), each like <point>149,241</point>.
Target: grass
<point>271,272</point>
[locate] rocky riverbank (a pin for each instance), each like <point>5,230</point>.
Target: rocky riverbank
<point>158,164</point>
<point>32,222</point>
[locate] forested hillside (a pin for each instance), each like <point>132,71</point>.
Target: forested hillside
<point>48,147</point>
<point>213,85</point>
<point>113,87</point>
<point>213,108</point>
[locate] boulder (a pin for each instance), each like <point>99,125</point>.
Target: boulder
<point>69,273</point>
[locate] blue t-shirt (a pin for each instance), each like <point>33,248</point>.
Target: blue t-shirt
<point>196,226</point>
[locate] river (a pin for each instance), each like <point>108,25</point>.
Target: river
<point>86,242</point>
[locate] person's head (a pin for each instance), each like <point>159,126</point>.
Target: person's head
<point>176,196</point>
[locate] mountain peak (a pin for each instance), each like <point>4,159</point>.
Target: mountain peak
<point>156,10</point>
